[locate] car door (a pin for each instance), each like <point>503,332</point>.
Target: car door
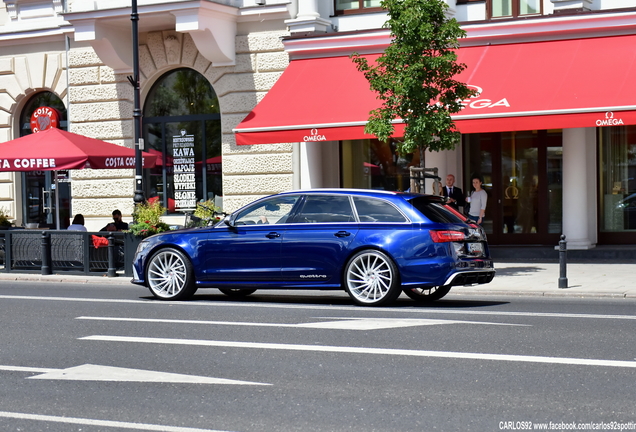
<point>250,250</point>
<point>316,244</point>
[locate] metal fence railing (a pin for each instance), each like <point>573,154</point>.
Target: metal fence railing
<point>48,251</point>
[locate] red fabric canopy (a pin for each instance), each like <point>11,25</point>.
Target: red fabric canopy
<point>55,149</point>
<point>540,85</point>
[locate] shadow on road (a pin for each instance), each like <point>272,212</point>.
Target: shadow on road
<point>333,299</point>
<point>517,271</point>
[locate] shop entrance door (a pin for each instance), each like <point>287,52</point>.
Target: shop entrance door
<point>40,201</point>
<point>522,176</point>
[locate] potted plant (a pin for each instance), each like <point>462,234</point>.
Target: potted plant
<point>5,222</point>
<point>147,219</point>
<point>204,215</point>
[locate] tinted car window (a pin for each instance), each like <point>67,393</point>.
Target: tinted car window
<point>272,211</point>
<point>434,210</point>
<point>375,210</point>
<point>321,209</point>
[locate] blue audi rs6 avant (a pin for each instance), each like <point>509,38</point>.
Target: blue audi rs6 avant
<point>373,244</point>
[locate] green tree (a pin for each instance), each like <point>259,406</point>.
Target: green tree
<point>415,77</point>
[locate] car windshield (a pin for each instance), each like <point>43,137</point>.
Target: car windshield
<point>433,209</point>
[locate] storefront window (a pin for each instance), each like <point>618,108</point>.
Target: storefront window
<point>182,126</point>
<point>618,178</point>
<point>372,164</point>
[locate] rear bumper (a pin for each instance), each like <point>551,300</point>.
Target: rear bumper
<point>470,277</point>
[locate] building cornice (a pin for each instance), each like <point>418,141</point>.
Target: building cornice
<point>501,32</point>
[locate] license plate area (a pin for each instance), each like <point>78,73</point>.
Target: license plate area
<point>475,249</point>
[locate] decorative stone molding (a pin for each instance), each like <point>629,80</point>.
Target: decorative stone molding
<point>561,6</point>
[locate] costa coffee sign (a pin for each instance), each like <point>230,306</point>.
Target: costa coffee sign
<point>44,118</point>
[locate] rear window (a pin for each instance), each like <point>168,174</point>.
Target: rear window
<point>434,210</point>
<point>375,210</point>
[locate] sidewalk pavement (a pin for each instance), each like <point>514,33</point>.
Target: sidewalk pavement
<point>532,279</point>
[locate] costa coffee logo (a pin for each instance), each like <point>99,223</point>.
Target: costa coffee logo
<point>315,136</point>
<point>609,120</point>
<point>479,102</point>
<point>44,118</point>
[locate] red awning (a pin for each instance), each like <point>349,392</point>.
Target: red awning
<point>539,85</point>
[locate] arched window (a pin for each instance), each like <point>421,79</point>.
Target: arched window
<point>38,200</point>
<point>182,126</point>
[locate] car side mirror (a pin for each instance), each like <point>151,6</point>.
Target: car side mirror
<point>229,222</point>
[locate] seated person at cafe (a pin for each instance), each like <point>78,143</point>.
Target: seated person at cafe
<point>117,225</point>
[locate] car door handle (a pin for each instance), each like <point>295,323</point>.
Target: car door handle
<point>342,234</point>
<point>272,235</point>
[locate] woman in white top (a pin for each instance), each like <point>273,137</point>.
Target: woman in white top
<point>78,223</point>
<point>478,199</point>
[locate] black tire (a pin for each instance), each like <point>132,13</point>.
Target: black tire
<point>371,278</point>
<point>427,294</point>
<point>237,292</point>
<point>169,275</point>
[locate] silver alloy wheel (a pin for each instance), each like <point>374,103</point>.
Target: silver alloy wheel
<point>168,275</point>
<point>371,278</point>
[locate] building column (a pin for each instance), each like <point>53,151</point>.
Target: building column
<point>579,190</point>
<point>434,159</point>
<point>310,165</point>
<point>308,19</point>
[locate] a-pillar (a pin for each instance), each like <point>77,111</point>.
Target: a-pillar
<point>579,188</point>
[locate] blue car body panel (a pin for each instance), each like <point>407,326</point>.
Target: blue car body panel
<point>287,252</point>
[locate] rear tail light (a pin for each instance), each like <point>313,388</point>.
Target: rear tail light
<point>447,236</point>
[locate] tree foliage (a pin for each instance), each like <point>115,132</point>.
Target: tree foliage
<point>415,76</point>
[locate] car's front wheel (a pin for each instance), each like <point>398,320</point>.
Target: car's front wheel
<point>371,278</point>
<point>237,292</point>
<point>427,294</point>
<point>170,275</point>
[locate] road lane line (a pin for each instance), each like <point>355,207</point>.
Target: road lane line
<point>105,423</point>
<point>343,323</point>
<point>363,350</point>
<point>26,369</point>
<point>410,310</point>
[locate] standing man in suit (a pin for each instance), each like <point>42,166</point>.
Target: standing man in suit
<point>454,194</point>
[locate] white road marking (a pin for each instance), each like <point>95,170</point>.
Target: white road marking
<point>273,305</point>
<point>343,323</point>
<point>362,350</point>
<point>89,372</point>
<point>25,369</point>
<point>105,423</point>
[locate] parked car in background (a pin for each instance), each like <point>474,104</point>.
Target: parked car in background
<point>373,244</point>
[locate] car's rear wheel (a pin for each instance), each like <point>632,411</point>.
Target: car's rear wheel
<point>237,292</point>
<point>427,294</point>
<point>371,278</point>
<point>170,275</point>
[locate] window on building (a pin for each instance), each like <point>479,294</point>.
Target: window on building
<point>357,6</point>
<point>617,150</point>
<point>373,164</point>
<point>182,126</point>
<point>513,8</point>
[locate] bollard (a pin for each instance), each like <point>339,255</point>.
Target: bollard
<point>563,251</point>
<point>46,253</point>
<point>112,270</point>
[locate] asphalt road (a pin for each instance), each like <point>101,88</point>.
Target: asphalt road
<point>108,358</point>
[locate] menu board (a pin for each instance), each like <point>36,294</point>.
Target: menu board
<point>184,179</point>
